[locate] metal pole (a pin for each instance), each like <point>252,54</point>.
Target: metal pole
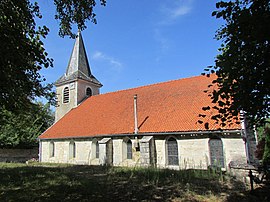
<point>136,130</point>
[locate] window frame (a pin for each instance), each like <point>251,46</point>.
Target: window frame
<point>66,95</point>
<point>51,149</point>
<point>86,92</point>
<point>129,149</point>
<point>72,150</point>
<point>172,152</point>
<point>220,161</point>
<point>97,150</point>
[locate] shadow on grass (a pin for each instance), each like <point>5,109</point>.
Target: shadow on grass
<point>96,183</point>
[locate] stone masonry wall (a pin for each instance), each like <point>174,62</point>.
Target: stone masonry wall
<point>83,152</point>
<point>18,155</point>
<point>193,153</point>
<point>234,150</point>
<point>63,108</point>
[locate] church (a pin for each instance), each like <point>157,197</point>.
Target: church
<point>154,125</point>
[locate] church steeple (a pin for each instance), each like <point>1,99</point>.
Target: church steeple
<point>78,66</point>
<point>78,60</point>
<point>77,83</point>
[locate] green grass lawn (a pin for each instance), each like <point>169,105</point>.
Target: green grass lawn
<point>51,182</point>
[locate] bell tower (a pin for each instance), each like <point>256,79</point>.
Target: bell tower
<point>77,83</point>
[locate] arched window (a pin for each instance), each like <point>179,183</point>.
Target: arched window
<point>51,149</point>
<point>66,95</point>
<point>88,92</point>
<point>216,152</point>
<point>97,150</point>
<point>172,151</point>
<point>129,149</point>
<point>72,150</point>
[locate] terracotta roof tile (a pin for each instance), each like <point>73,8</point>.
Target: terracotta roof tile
<point>171,106</point>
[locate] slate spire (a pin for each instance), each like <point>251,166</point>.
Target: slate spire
<point>78,66</point>
<point>78,60</point>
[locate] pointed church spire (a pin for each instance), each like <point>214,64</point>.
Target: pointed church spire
<point>78,60</point>
<point>78,66</point>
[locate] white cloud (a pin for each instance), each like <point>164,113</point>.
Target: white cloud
<point>172,10</point>
<point>179,11</point>
<point>98,55</point>
<point>114,63</point>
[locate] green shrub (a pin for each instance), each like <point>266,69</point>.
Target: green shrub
<point>266,154</point>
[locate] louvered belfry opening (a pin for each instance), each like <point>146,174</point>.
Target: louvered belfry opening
<point>88,92</point>
<point>66,95</point>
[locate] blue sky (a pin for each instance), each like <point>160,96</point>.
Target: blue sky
<point>137,43</point>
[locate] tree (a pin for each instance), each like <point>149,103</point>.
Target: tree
<point>266,153</point>
<point>22,54</point>
<point>263,147</point>
<point>242,68</point>
<point>77,12</point>
<point>21,130</point>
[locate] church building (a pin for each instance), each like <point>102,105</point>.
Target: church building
<point>154,125</point>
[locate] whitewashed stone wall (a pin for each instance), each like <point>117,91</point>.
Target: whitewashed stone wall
<point>119,151</point>
<point>160,152</point>
<point>193,153</point>
<point>83,152</point>
<point>81,89</point>
<point>61,154</point>
<point>63,108</point>
<point>234,149</point>
<point>105,151</point>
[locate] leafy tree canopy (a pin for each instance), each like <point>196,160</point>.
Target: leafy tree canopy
<point>77,12</point>
<point>22,54</point>
<point>263,147</point>
<point>242,68</point>
<point>266,153</point>
<point>21,130</point>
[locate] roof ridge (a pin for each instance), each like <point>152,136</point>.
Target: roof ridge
<point>149,85</point>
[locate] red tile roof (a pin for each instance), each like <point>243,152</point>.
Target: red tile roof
<point>171,106</point>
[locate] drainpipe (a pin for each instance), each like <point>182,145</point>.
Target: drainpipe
<point>136,130</point>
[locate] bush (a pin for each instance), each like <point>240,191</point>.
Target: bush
<point>266,154</point>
